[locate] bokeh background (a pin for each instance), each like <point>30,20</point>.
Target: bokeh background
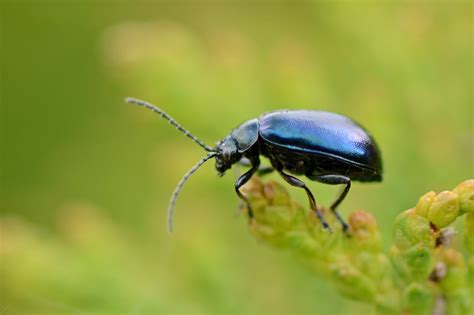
<point>86,179</point>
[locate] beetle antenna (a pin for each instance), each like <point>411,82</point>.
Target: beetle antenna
<point>170,120</point>
<point>180,186</point>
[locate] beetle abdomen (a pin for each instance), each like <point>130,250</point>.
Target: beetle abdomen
<point>323,134</point>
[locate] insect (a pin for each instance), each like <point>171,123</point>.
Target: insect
<point>325,147</point>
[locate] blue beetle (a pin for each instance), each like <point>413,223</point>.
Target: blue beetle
<point>323,146</point>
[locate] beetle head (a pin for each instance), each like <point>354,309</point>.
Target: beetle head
<point>230,150</point>
<point>227,154</point>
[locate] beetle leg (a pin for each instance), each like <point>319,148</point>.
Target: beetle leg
<point>242,180</point>
<point>336,180</point>
<point>293,181</point>
<point>264,170</point>
<point>245,162</point>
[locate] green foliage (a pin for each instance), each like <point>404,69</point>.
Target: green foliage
<point>420,274</point>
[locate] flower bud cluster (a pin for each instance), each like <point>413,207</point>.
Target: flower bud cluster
<point>427,268</point>
<point>421,272</point>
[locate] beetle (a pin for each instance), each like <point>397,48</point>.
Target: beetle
<point>323,146</point>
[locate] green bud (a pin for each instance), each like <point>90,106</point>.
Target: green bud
<point>253,189</point>
<point>465,191</point>
<point>460,303</point>
<point>374,265</point>
<point>279,217</point>
<point>411,228</point>
<point>265,232</point>
<point>364,231</point>
<point>419,262</point>
<point>351,282</point>
<point>452,258</point>
<point>388,303</point>
<point>456,270</point>
<point>469,232</point>
<point>424,204</point>
<point>302,244</point>
<point>444,209</point>
<point>414,264</point>
<point>402,240</point>
<point>276,194</point>
<point>418,299</point>
<point>320,234</point>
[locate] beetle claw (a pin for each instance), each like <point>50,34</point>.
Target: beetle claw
<point>327,227</point>
<point>345,228</point>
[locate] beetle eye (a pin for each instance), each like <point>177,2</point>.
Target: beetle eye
<point>228,148</point>
<point>226,153</point>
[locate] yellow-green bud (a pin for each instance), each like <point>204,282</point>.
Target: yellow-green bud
<point>424,204</point>
<point>455,279</point>
<point>279,217</point>
<point>362,224</point>
<point>456,270</point>
<point>387,303</point>
<point>411,228</point>
<point>418,299</point>
<point>303,244</point>
<point>444,209</point>
<point>452,258</point>
<point>419,260</point>
<point>265,232</point>
<point>465,191</point>
<point>414,264</point>
<point>459,302</point>
<point>276,194</point>
<point>351,282</point>
<point>364,231</point>
<point>374,265</point>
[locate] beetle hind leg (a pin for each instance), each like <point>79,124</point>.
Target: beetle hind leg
<point>293,181</point>
<point>336,180</point>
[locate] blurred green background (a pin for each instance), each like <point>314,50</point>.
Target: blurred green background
<point>86,180</point>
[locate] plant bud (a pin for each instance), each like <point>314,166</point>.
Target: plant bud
<point>424,203</point>
<point>444,209</point>
<point>411,228</point>
<point>465,191</point>
<point>364,230</point>
<point>418,299</point>
<point>352,283</point>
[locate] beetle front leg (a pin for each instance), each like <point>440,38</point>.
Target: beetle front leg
<point>264,170</point>
<point>336,180</point>
<point>293,181</point>
<point>242,180</point>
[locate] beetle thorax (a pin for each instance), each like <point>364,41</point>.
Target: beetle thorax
<point>227,154</point>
